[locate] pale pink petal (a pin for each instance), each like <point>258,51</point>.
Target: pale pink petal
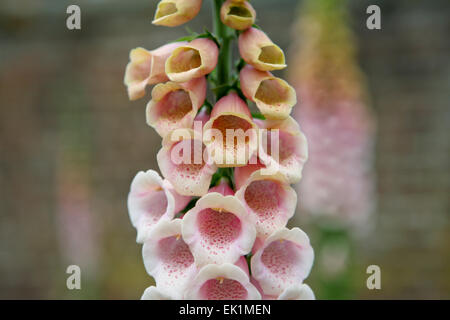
<point>270,201</point>
<point>151,200</point>
<point>168,260</point>
<point>285,259</point>
<point>283,147</point>
<point>218,229</point>
<point>182,161</point>
<point>222,282</point>
<point>297,292</point>
<point>153,293</point>
<point>223,187</point>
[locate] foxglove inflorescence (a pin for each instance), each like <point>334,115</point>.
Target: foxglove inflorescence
<point>215,226</point>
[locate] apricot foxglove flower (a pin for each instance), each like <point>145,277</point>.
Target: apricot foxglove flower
<point>284,259</point>
<point>230,134</point>
<point>175,105</point>
<point>222,282</point>
<point>151,200</point>
<point>218,229</point>
<point>238,15</point>
<point>192,60</point>
<point>168,259</point>
<point>146,68</point>
<point>273,96</point>
<point>288,152</point>
<point>172,13</point>
<point>269,200</point>
<point>183,161</point>
<point>258,50</point>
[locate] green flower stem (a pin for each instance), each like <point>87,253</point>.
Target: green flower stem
<point>224,36</point>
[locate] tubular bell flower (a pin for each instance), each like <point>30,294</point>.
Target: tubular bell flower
<point>168,260</point>
<point>297,292</point>
<point>146,68</point>
<point>172,13</point>
<point>192,60</point>
<point>218,229</point>
<point>223,188</point>
<point>259,51</point>
<point>184,162</point>
<point>230,135</point>
<point>238,15</point>
<point>270,201</point>
<point>151,200</point>
<point>175,105</point>
<point>222,282</point>
<point>273,96</point>
<point>288,152</point>
<point>284,259</point>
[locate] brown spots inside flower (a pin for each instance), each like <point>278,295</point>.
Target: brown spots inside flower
<point>165,9</point>
<point>272,91</point>
<point>174,106</point>
<point>271,54</point>
<point>262,196</point>
<point>184,59</point>
<point>223,289</point>
<point>218,228</point>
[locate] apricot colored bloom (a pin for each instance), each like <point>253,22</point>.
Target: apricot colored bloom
<point>230,134</point>
<point>175,105</point>
<point>283,146</point>
<point>238,15</point>
<point>172,13</point>
<point>192,60</point>
<point>258,50</point>
<point>273,96</point>
<point>146,68</point>
<point>151,200</point>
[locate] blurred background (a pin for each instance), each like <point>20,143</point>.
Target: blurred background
<point>70,143</point>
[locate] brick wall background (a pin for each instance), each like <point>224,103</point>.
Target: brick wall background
<point>67,130</point>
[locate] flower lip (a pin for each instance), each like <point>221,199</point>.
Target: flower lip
<point>222,282</point>
<point>285,259</point>
<point>168,259</point>
<point>218,229</point>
